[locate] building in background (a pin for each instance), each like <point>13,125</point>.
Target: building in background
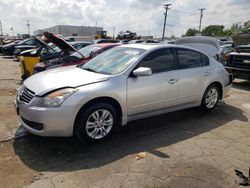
<point>69,30</point>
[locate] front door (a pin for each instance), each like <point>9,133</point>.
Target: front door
<point>157,91</point>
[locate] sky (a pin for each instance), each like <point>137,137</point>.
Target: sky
<point>141,16</point>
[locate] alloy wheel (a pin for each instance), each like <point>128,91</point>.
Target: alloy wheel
<point>99,124</point>
<point>211,98</point>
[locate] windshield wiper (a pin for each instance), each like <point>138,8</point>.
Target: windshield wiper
<point>91,70</point>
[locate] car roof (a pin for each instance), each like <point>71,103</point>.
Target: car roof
<point>147,46</point>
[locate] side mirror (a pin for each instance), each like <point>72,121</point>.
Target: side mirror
<point>142,71</point>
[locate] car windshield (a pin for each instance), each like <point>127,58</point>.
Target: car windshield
<point>113,61</point>
<point>86,51</point>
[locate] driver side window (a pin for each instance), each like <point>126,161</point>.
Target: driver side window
<point>160,60</point>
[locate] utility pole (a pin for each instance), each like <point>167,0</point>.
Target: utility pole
<point>28,25</point>
<point>201,9</point>
<point>1,28</point>
<point>166,6</point>
<point>113,32</point>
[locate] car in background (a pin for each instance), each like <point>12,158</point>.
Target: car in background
<point>151,41</point>
<point>125,41</point>
<point>15,48</point>
<point>136,41</point>
<point>123,84</point>
<point>78,57</point>
<point>79,44</point>
<point>148,41</point>
<point>238,62</point>
<point>99,41</point>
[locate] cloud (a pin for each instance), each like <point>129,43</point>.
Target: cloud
<point>141,16</point>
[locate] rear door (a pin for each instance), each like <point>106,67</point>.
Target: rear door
<point>154,92</point>
<point>193,69</point>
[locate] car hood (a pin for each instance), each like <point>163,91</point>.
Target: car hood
<point>57,78</point>
<point>61,43</point>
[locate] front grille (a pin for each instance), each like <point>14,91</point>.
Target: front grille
<point>238,61</point>
<point>26,95</point>
<point>241,74</point>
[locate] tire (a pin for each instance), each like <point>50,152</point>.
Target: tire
<point>210,98</point>
<point>96,123</point>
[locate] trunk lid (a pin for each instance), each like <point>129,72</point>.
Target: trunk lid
<point>208,45</point>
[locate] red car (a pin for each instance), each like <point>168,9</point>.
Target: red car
<point>71,55</point>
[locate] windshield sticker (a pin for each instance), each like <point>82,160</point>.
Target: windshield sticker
<point>133,52</point>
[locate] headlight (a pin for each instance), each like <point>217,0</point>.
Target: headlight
<point>56,98</point>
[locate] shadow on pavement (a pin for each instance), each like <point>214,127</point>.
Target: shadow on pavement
<point>243,85</point>
<point>68,154</point>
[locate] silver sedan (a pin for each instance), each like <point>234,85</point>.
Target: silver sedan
<point>120,85</point>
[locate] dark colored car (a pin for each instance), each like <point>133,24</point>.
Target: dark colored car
<point>71,55</point>
<point>45,52</point>
<point>15,48</point>
<point>238,62</point>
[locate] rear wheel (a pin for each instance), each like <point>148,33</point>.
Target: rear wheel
<point>96,122</point>
<point>210,98</point>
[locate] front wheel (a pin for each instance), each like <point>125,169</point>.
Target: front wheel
<point>96,122</point>
<point>210,98</point>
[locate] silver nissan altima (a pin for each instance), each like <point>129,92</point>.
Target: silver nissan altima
<point>125,83</point>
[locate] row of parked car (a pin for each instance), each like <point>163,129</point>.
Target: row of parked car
<point>36,55</point>
<point>111,84</point>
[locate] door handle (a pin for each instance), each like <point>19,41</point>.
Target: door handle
<point>207,73</point>
<point>172,81</point>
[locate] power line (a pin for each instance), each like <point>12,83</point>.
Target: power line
<point>166,6</point>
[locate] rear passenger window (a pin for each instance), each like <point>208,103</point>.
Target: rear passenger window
<point>159,61</point>
<point>189,58</point>
<point>205,60</point>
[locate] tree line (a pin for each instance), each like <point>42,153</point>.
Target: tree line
<point>219,30</point>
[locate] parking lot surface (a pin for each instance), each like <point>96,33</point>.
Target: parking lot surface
<point>188,148</point>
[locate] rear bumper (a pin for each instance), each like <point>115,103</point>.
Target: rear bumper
<point>227,87</point>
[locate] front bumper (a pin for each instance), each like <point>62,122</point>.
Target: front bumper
<point>239,72</point>
<point>46,121</point>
